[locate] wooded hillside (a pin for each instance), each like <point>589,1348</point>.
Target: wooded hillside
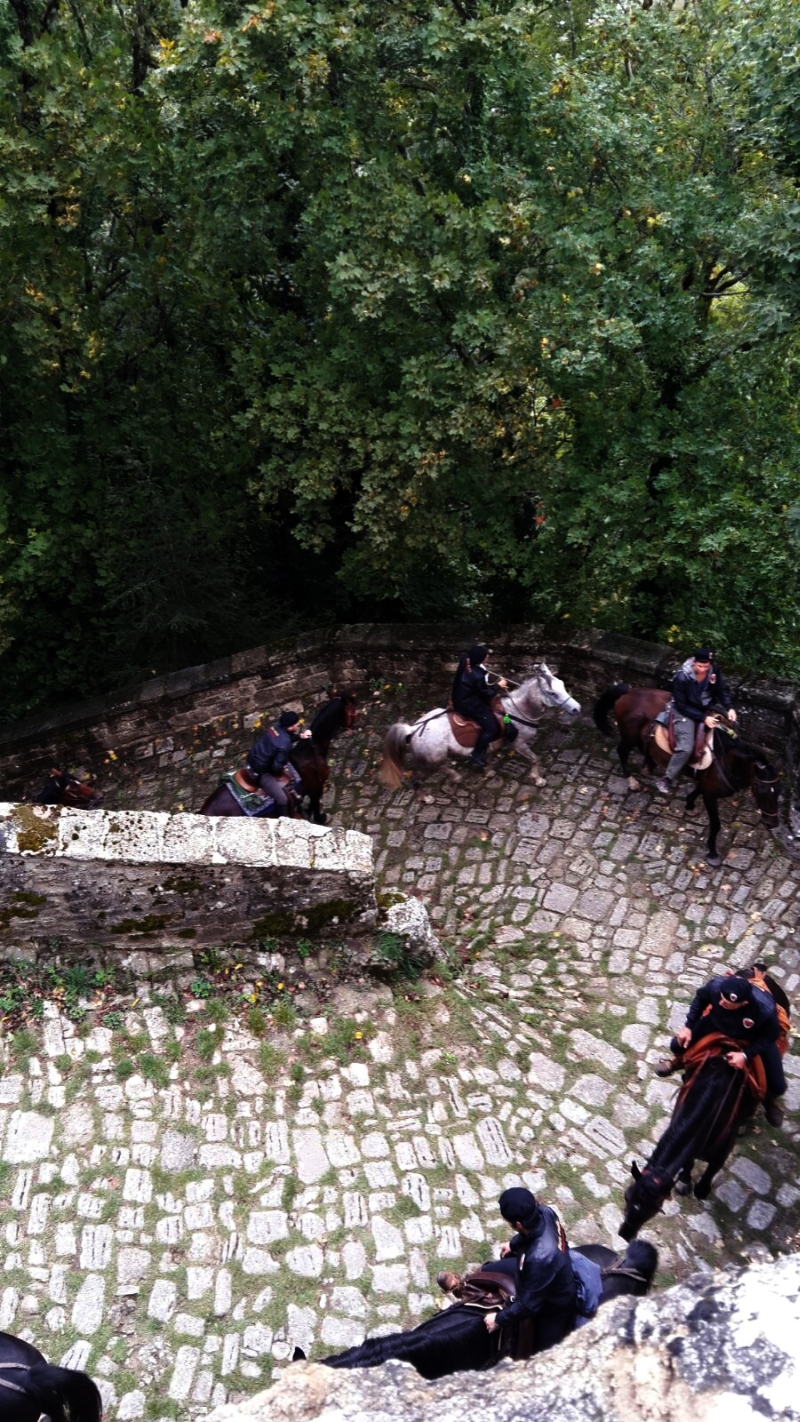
<point>397,310</point>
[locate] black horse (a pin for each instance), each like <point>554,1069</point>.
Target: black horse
<point>30,1386</point>
<point>736,764</point>
<point>713,1105</point>
<point>455,1339</point>
<point>309,758</point>
<point>62,788</point>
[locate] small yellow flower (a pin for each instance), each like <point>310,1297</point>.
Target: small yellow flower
<point>358,1035</point>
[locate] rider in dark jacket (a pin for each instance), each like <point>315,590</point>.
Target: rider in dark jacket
<point>545,1282</point>
<point>269,758</point>
<point>736,1008</point>
<point>697,687</point>
<point>472,697</point>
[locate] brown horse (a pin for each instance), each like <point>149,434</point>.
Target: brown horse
<point>309,758</point>
<point>736,765</point>
<point>62,788</point>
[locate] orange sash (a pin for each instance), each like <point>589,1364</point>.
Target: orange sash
<point>716,1044</point>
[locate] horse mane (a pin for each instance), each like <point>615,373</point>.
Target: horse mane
<point>329,714</point>
<point>745,750</point>
<point>697,1128</point>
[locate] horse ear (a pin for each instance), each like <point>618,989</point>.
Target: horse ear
<point>635,1171</point>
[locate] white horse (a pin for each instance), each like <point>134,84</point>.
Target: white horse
<point>430,740</point>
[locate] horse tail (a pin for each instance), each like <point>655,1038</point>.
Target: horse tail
<point>642,1257</point>
<point>391,771</point>
<point>609,699</point>
<point>63,1393</point>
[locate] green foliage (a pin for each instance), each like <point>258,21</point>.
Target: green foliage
<point>474,310</point>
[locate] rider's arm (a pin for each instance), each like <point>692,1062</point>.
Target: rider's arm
<point>701,1000</point>
<point>768,1032</point>
<point>534,1283</point>
<point>721,692</point>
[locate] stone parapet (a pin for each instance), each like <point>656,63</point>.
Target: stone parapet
<point>134,879</point>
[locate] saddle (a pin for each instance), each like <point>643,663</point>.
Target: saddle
<point>466,732</point>
<point>488,1290</point>
<point>716,1045</point>
<point>703,754</point>
<point>247,782</point>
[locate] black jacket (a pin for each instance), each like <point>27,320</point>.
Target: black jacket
<point>471,692</point>
<point>754,1026</point>
<point>269,755</point>
<point>693,698</point>
<point>545,1281</point>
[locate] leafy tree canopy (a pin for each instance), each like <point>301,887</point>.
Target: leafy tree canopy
<point>394,309</point>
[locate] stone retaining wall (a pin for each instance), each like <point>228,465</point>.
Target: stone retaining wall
<point>152,883</point>
<point>159,723</point>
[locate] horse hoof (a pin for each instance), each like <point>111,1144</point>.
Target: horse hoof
<point>683,1187</point>
<point>713,861</point>
<point>539,780</point>
<point>701,1191</point>
<point>633,784</point>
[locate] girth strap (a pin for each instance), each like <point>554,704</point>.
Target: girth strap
<point>617,1270</point>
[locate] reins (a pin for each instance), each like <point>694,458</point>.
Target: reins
<point>14,1387</point>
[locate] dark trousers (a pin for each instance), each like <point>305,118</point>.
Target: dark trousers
<point>486,719</point>
<point>770,1056</point>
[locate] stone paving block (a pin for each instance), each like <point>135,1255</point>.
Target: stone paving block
<point>28,1137</point>
<point>586,1045</point>
<point>751,1174</point>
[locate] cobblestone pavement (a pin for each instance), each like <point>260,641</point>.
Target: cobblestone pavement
<point>185,1200</point>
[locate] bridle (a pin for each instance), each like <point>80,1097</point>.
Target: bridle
<point>551,705</point>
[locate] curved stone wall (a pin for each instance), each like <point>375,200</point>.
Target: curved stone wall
<point>194,712</point>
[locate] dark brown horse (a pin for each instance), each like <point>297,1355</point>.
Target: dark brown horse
<point>309,758</point>
<point>736,764</point>
<point>61,788</point>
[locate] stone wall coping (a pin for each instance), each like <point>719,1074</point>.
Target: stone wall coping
<point>629,655</point>
<point>155,837</point>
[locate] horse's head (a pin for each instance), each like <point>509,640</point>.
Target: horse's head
<point>644,1199</point>
<point>349,709</point>
<point>551,691</point>
<point>65,789</point>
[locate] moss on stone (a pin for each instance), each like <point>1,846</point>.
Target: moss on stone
<point>148,924</point>
<point>34,833</point>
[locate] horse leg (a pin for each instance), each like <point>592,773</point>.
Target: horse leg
<point>702,1189</point>
<point>683,1184</point>
<point>525,751</point>
<point>712,810</point>
<point>691,798</point>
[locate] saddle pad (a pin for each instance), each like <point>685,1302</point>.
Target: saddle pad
<point>251,802</point>
<point>661,736</point>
